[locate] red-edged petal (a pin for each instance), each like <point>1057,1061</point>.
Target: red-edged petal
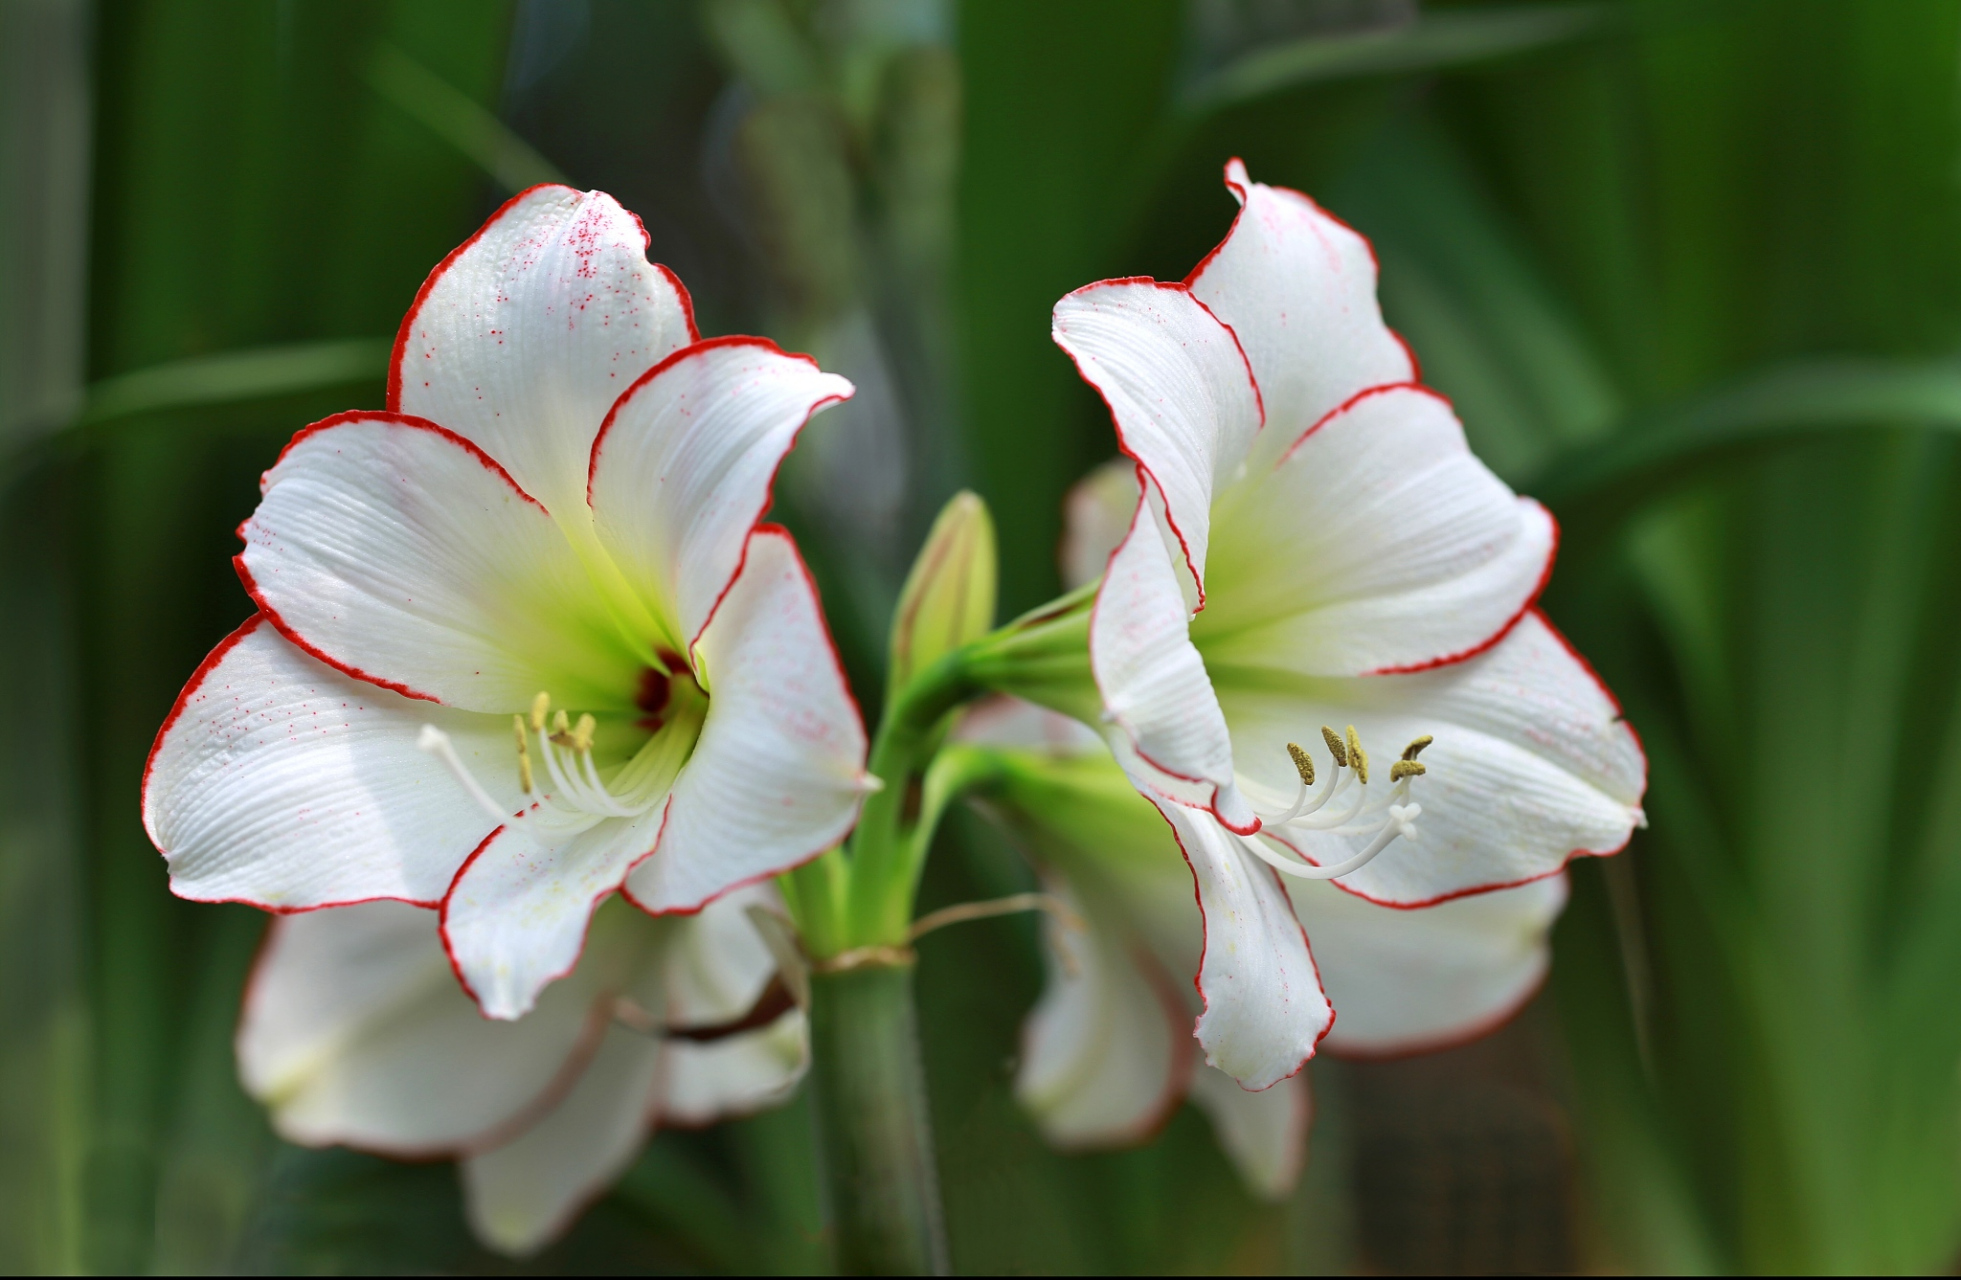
<point>1170,733</point>
<point>1532,765</point>
<point>1379,543</point>
<point>1179,390</point>
<point>1265,1010</point>
<point>1416,981</point>
<point>515,920</point>
<point>403,555</point>
<point>1298,287</point>
<point>778,773</point>
<point>525,336</point>
<point>681,471</point>
<point>280,782</point>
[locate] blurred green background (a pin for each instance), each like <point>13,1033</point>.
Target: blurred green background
<point>1690,270</point>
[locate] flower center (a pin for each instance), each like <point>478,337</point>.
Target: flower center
<point>570,795</point>
<point>1386,817</point>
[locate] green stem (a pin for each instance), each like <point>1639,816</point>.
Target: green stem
<point>883,873</point>
<point>855,912</point>
<point>874,1131</point>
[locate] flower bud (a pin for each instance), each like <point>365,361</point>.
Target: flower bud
<point>949,595</point>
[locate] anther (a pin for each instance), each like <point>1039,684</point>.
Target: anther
<point>523,756</point>
<point>582,736</point>
<point>561,728</point>
<point>1358,759</point>
<point>1335,747</point>
<point>539,706</point>
<point>1406,768</point>
<point>1415,748</point>
<point>1303,763</point>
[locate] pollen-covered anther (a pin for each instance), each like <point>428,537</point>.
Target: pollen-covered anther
<point>1415,748</point>
<point>1358,759</point>
<point>582,733</point>
<point>1303,763</point>
<point>540,707</point>
<point>1406,768</point>
<point>561,728</point>
<point>1335,746</point>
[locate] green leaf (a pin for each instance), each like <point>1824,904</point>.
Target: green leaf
<point>1782,405</point>
<point>1437,40</point>
<point>264,373</point>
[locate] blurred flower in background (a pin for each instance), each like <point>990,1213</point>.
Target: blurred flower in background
<point>355,1032</point>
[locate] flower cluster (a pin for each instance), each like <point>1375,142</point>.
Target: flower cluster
<point>536,719</point>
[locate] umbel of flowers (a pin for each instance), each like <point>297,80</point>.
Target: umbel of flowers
<point>523,647</point>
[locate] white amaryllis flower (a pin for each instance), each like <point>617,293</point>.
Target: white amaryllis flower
<point>1108,1051</point>
<point>355,1033</point>
<point>520,639</point>
<point>1310,545</point>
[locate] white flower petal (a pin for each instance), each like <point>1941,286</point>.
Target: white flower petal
<point>515,920</point>
<point>716,966</point>
<point>1264,1134</point>
<point>1298,287</point>
<point>523,338</point>
<point>281,782</point>
<point>520,1195</point>
<point>710,1080</point>
<point>1264,1007</point>
<point>778,773</point>
<point>1532,764</point>
<point>681,471</point>
<point>354,1031</point>
<point>1379,543</point>
<point>1415,981</point>
<point>1171,734</point>
<point>403,555</point>
<point>1178,387</point>
<point>1106,1051</point>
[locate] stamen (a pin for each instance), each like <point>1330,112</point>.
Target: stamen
<point>1303,763</point>
<point>582,736</point>
<point>1335,747</point>
<point>1358,759</point>
<point>1415,748</point>
<point>1406,768</point>
<point>540,705</point>
<point>437,743</point>
<point>523,756</point>
<point>561,728</point>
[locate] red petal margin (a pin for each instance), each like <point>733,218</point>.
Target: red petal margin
<point>1245,197</point>
<point>1205,941</point>
<point>407,326</point>
<point>272,614</point>
<point>1123,444</point>
<point>402,332</point>
<point>769,493</point>
<point>191,686</point>
<point>1212,805</point>
<point>1571,854</point>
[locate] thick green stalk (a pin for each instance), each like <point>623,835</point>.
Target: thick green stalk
<point>874,1132</point>
<point>856,914</point>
